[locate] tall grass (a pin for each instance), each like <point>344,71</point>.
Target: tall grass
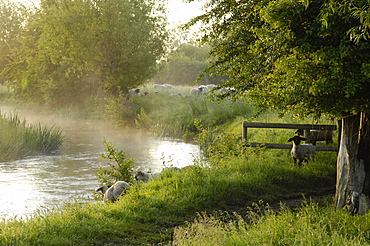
<point>174,116</point>
<point>19,139</point>
<point>311,224</point>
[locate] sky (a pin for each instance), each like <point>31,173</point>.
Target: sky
<point>180,12</point>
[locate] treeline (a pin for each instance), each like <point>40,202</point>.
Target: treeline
<point>68,51</point>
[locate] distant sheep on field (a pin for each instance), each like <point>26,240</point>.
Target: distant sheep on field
<point>167,86</point>
<point>197,91</point>
<point>163,87</point>
<point>134,92</point>
<point>300,151</point>
<point>112,192</point>
<point>158,86</point>
<point>318,135</point>
<point>175,95</point>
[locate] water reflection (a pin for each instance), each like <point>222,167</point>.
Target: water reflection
<point>48,181</point>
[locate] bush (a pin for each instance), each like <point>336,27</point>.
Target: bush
<point>119,167</point>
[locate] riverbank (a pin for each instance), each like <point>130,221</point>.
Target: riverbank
<point>150,212</point>
<point>154,213</point>
<point>203,204</point>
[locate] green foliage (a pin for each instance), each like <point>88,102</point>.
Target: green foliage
<point>282,56</point>
<point>119,167</point>
<point>73,51</point>
<point>184,65</point>
<point>19,139</point>
<point>120,110</point>
<point>12,17</point>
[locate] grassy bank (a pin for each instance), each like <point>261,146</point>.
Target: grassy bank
<point>211,202</point>
<point>19,139</point>
<point>150,212</point>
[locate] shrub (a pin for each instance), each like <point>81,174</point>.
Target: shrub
<point>119,167</point>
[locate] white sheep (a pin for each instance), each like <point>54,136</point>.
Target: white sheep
<point>301,151</point>
<point>112,192</point>
<point>319,135</point>
<point>163,87</point>
<point>175,95</point>
<point>197,91</point>
<point>167,86</point>
<point>158,86</point>
<point>134,92</point>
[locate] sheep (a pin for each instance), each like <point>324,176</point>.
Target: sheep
<point>197,91</point>
<point>318,135</point>
<point>229,90</point>
<point>301,151</point>
<point>158,86</point>
<point>143,176</point>
<point>112,192</point>
<point>163,87</point>
<point>134,92</point>
<point>175,95</point>
<point>167,86</point>
<point>146,176</point>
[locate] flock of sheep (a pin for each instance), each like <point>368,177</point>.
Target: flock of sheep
<point>300,152</point>
<point>200,90</point>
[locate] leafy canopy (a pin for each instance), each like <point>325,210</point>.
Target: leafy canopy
<point>74,49</point>
<point>294,56</point>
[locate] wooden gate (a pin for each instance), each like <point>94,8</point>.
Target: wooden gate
<point>305,127</point>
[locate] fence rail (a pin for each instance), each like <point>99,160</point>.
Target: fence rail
<point>305,127</point>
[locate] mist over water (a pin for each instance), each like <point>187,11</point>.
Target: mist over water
<point>44,182</point>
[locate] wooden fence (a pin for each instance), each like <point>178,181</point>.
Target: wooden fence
<point>305,127</point>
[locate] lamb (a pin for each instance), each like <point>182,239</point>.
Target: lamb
<point>318,135</point>
<point>301,151</point>
<point>112,192</point>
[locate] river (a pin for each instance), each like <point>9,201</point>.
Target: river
<point>41,183</point>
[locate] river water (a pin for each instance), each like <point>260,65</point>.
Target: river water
<point>45,182</point>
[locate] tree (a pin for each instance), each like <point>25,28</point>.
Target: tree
<point>74,49</point>
<point>12,17</point>
<point>298,56</point>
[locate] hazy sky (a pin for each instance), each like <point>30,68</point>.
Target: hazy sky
<point>178,11</point>
<point>183,12</point>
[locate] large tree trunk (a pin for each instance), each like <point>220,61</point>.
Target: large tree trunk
<point>353,164</point>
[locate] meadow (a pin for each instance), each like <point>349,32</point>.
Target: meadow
<point>231,197</point>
